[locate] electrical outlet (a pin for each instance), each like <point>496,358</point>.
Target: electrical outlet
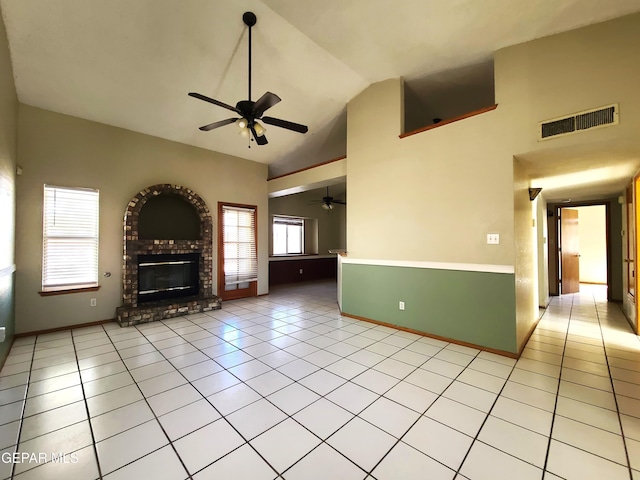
<point>401,305</point>
<point>493,238</point>
<point>3,334</point>
<point>300,271</point>
<point>93,302</point>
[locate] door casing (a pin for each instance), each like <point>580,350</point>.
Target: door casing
<point>554,242</point>
<point>252,289</point>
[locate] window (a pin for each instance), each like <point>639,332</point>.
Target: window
<point>240,259</point>
<point>288,235</point>
<point>70,238</point>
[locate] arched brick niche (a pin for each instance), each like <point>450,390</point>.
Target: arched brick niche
<point>135,309</point>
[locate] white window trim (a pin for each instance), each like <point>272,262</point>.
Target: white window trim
<point>90,280</point>
<point>250,274</point>
<point>288,219</point>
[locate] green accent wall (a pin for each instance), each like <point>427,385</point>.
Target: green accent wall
<point>472,307</point>
<point>7,315</point>
<point>8,155</point>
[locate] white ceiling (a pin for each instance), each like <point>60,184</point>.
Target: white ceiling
<point>131,63</point>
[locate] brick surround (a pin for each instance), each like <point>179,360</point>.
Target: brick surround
<point>131,313</point>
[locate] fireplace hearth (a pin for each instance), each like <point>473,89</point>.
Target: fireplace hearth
<point>168,260</point>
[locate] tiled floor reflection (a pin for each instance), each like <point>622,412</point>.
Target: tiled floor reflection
<point>283,387</point>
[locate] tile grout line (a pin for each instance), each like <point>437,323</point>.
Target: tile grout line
<point>422,415</point>
<point>555,405</point>
<point>246,442</point>
<point>597,406</point>
<point>615,397</point>
<point>429,357</point>
<point>322,441</point>
<point>475,438</point>
<point>246,323</point>
<point>414,366</point>
<point>321,396</point>
<point>24,407</point>
<point>155,418</point>
<point>86,407</point>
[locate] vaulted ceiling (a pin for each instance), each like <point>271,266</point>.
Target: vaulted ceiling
<point>131,63</point>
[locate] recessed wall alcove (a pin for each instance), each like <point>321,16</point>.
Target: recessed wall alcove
<point>168,261</point>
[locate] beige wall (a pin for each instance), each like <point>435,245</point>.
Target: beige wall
<point>570,72</point>
<point>68,151</point>
<point>330,226</point>
<point>567,73</point>
<point>526,255</point>
<point>430,196</point>
<point>446,188</point>
<point>592,228</point>
<point>543,250</point>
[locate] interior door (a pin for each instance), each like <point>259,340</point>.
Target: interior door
<point>630,258</point>
<point>569,251</point>
<point>634,233</point>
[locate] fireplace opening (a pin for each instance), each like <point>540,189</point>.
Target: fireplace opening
<point>164,277</point>
<point>168,217</point>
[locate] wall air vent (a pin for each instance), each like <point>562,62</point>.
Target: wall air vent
<point>587,120</point>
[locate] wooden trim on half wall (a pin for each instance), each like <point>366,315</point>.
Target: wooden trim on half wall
<point>450,120</point>
<point>308,168</point>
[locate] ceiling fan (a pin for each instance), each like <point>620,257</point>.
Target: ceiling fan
<point>250,112</point>
<point>328,202</point>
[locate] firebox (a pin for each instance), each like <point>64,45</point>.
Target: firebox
<point>168,276</point>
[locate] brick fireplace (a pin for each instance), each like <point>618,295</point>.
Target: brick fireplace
<point>168,260</point>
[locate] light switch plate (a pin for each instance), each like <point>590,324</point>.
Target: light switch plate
<point>493,238</point>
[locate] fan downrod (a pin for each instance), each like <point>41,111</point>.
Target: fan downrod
<point>249,19</point>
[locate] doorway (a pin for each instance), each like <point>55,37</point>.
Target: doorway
<point>237,251</point>
<point>580,247</point>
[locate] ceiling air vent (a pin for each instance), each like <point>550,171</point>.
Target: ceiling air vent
<point>589,119</point>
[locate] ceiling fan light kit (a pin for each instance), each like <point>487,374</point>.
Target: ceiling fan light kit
<point>250,112</point>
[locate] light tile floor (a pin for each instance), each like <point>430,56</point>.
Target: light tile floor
<point>283,387</point>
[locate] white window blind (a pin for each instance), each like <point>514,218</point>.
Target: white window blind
<point>70,243</point>
<point>288,235</point>
<point>239,243</point>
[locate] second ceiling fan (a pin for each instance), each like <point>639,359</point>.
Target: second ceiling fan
<point>328,202</point>
<point>250,112</point>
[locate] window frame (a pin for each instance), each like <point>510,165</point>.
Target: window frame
<point>92,202</point>
<point>288,220</point>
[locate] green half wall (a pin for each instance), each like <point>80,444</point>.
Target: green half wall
<point>7,313</point>
<point>472,307</point>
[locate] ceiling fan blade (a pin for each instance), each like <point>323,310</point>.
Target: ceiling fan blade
<point>296,127</point>
<point>215,102</point>
<point>264,103</point>
<point>260,140</point>
<point>340,202</point>
<point>221,123</point>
